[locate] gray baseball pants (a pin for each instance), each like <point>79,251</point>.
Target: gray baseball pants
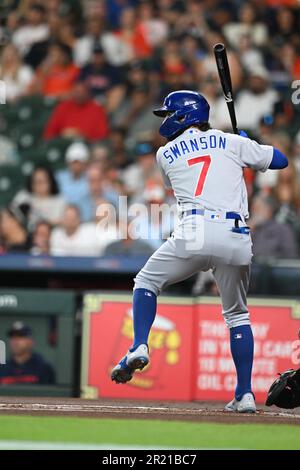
<point>200,243</point>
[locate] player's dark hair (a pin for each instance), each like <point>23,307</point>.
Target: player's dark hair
<point>51,178</point>
<point>203,126</point>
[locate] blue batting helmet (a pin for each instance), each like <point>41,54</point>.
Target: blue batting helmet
<point>182,109</point>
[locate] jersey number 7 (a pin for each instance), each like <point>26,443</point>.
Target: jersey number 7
<point>206,160</point>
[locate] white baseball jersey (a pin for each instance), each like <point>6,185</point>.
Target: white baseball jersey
<point>205,169</point>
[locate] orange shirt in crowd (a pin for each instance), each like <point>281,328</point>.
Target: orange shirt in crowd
<point>137,41</point>
<point>89,119</point>
<point>58,81</point>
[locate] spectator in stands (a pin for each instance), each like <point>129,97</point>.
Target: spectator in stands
<point>72,181</point>
<point>97,190</point>
<point>126,245</point>
<point>118,151</point>
<point>271,239</point>
<point>41,238</point>
<point>103,80</point>
<point>287,194</point>
<point>56,75</point>
<point>42,196</point>
<point>136,115</point>
<point>24,365</point>
<point>208,63</point>
<point>13,229</point>
<point>78,117</point>
<point>34,30</point>
<point>128,42</point>
<point>94,33</point>
<point>284,28</point>
<point>250,56</point>
<point>14,73</point>
<point>133,34</point>
<point>112,183</point>
<point>256,101</point>
<point>154,28</point>
<point>218,118</point>
<point>247,24</point>
<point>268,180</point>
<point>74,238</point>
<point>154,225</point>
<point>100,154</point>
<point>147,52</point>
<point>115,9</point>
<point>39,50</point>
<point>135,175</point>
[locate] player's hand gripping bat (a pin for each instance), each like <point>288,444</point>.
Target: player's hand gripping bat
<point>225,79</point>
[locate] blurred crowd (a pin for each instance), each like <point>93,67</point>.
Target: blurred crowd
<point>107,64</point>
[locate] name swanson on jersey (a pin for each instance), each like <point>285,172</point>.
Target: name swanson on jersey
<point>190,145</point>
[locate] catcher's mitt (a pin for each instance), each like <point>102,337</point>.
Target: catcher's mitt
<point>285,391</point>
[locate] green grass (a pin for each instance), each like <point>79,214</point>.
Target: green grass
<point>149,433</point>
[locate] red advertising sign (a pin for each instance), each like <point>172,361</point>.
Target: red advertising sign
<point>189,346</point>
<point>111,334</point>
<point>275,334</point>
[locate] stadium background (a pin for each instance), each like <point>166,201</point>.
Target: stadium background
<point>77,131</point>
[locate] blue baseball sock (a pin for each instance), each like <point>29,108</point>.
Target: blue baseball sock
<point>144,310</point>
<point>242,346</point>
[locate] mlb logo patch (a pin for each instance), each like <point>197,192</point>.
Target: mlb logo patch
<point>215,216</point>
<point>238,336</point>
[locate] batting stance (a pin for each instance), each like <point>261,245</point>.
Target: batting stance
<point>204,167</point>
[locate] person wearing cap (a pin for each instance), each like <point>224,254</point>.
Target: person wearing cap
<point>104,80</point>
<point>135,175</point>
<point>256,101</point>
<point>78,117</point>
<point>72,181</point>
<point>24,365</point>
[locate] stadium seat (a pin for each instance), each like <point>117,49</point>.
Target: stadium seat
<point>28,134</point>
<point>55,152</point>
<point>32,158</point>
<point>9,118</point>
<point>32,107</point>
<point>34,110</point>
<point>11,181</point>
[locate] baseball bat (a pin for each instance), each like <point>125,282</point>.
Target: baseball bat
<point>225,79</point>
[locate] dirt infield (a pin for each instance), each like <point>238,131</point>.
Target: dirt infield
<point>185,411</point>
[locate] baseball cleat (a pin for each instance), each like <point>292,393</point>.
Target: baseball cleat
<point>134,360</point>
<point>245,405</point>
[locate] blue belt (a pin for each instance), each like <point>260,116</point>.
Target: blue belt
<point>229,215</point>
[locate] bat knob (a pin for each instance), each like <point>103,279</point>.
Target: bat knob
<point>219,47</point>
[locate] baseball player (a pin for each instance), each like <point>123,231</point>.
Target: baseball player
<point>204,167</point>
